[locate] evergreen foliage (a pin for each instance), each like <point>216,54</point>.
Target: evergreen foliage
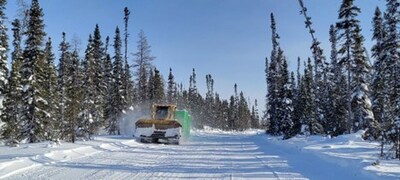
<point>336,94</point>
<point>117,103</point>
<point>12,130</point>
<point>378,79</point>
<point>171,90</point>
<point>127,81</point>
<point>35,107</point>
<point>99,57</point>
<point>87,126</point>
<point>3,58</point>
<point>80,97</point>
<point>74,94</point>
<point>51,94</point>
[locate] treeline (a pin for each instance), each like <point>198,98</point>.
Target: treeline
<point>83,96</point>
<point>212,111</point>
<point>348,93</point>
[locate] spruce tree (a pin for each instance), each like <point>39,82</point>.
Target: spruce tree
<point>128,84</point>
<point>12,130</point>
<point>346,27</point>
<point>126,34</point>
<point>319,68</point>
<point>232,114</point>
<point>357,67</point>
<point>218,113</point>
<point>264,119</point>
<point>117,96</point>
<point>273,78</point>
<point>108,80</point>
<point>286,104</point>
<point>297,103</point>
<point>243,113</point>
<point>210,116</point>
<point>195,101</point>
<point>3,58</point>
<point>378,79</point>
<point>99,57</point>
<point>336,117</point>
<point>255,120</point>
<point>392,74</point>
<point>128,87</point>
<point>35,108</point>
<point>310,123</point>
<point>158,87</point>
<point>87,126</point>
<point>63,67</point>
<point>51,94</point>
<point>74,93</point>
<point>361,103</point>
<point>171,92</point>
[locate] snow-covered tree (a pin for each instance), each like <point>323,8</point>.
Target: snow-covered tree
<point>63,67</point>
<point>99,57</point>
<point>3,58</point>
<point>392,74</point>
<point>129,89</point>
<point>35,108</point>
<point>117,98</point>
<point>319,69</point>
<point>310,124</point>
<point>171,93</point>
<point>156,87</point>
<point>286,108</point>
<point>273,78</point>
<point>336,92</point>
<point>51,95</point>
<point>378,79</point>
<point>361,103</point>
<point>210,109</point>
<point>255,117</point>
<point>87,126</point>
<point>243,113</point>
<point>74,93</point>
<point>346,27</point>
<point>12,130</point>
<point>108,79</point>
<point>297,103</point>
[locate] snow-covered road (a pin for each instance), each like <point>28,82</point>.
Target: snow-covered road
<point>205,156</point>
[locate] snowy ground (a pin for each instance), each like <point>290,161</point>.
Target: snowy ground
<point>207,155</point>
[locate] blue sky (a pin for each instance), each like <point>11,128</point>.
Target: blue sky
<point>228,39</point>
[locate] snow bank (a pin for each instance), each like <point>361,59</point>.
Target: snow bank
<point>15,160</point>
<point>349,151</point>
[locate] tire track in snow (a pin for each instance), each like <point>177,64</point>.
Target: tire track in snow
<point>208,156</point>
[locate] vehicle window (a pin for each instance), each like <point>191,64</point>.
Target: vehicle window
<point>162,113</point>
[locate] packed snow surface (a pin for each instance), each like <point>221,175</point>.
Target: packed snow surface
<point>206,155</point>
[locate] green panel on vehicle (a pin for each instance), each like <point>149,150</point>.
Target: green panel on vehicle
<point>185,119</point>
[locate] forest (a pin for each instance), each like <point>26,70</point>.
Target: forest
<point>81,97</point>
<point>346,93</point>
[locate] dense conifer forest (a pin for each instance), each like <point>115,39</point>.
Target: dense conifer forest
<point>81,96</point>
